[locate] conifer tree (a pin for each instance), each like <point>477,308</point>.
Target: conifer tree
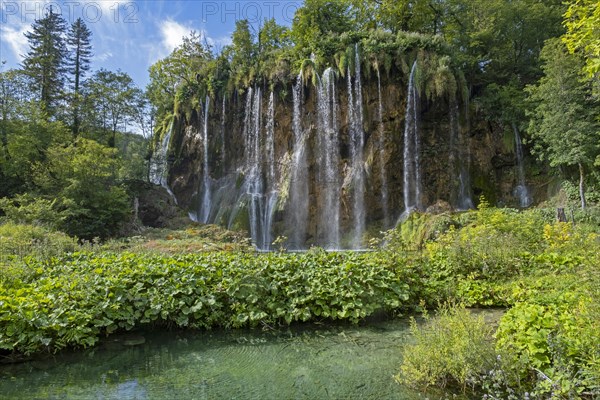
<point>78,63</point>
<point>45,61</point>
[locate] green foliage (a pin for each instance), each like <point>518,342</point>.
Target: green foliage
<point>555,342</point>
<point>494,245</point>
<point>27,209</point>
<point>19,240</point>
<point>452,349</point>
<point>111,100</point>
<point>27,144</point>
<point>90,202</point>
<point>316,19</point>
<point>564,114</point>
<point>44,63</point>
<point>546,273</point>
<point>242,54</point>
<point>582,20</point>
<point>73,300</point>
<point>80,46</point>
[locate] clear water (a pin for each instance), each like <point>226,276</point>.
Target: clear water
<point>308,362</point>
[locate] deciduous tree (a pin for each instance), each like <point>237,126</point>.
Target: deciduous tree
<point>563,118</point>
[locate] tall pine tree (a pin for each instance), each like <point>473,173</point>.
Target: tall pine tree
<point>80,52</point>
<point>45,61</point>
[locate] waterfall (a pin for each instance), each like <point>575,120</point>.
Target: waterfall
<point>159,165</point>
<point>357,139</point>
<point>328,161</point>
<point>298,203</point>
<point>206,184</point>
<point>459,162</point>
<point>521,191</point>
<point>381,148</point>
<point>412,144</point>
<point>259,189</point>
<point>223,146</point>
<point>253,168</point>
<point>159,168</point>
<point>271,192</point>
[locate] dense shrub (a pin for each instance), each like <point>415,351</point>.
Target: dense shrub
<point>20,240</point>
<point>555,347</point>
<point>452,349</point>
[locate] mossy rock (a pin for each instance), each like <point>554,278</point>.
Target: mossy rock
<point>241,221</point>
<point>419,228</point>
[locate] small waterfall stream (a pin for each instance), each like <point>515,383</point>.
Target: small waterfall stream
<point>459,162</point>
<point>159,164</point>
<point>329,161</point>
<point>357,141</point>
<point>254,170</point>
<point>159,168</point>
<point>412,148</point>
<point>271,191</point>
<point>259,187</point>
<point>298,202</point>
<point>521,191</point>
<point>205,206</point>
<point>223,143</point>
<point>381,149</point>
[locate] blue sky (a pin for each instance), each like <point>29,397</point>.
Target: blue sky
<point>132,35</point>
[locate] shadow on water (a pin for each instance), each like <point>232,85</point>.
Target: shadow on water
<point>302,362</point>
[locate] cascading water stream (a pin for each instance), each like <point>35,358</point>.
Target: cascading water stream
<point>459,162</point>
<point>254,166</point>
<point>328,161</point>
<point>223,143</point>
<point>159,165</point>
<point>381,148</point>
<point>259,190</point>
<point>246,167</point>
<point>271,192</point>
<point>521,191</point>
<point>357,140</point>
<point>412,144</point>
<point>298,191</point>
<point>205,206</point>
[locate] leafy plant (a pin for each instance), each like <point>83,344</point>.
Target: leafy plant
<point>451,349</point>
<point>73,300</point>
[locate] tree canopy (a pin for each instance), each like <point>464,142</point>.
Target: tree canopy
<point>563,120</point>
<point>64,146</point>
<point>45,62</point>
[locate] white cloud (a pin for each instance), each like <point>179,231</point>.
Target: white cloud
<point>172,34</point>
<point>14,37</point>
<point>104,56</point>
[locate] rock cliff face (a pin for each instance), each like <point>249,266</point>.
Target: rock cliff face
<point>256,143</point>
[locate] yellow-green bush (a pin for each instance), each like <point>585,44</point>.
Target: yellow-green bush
<point>452,349</point>
<point>20,240</point>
